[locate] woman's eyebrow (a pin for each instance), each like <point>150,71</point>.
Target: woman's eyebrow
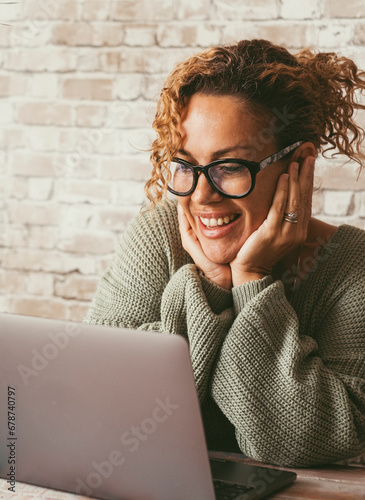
<point>184,153</point>
<point>230,149</point>
<point>220,152</point>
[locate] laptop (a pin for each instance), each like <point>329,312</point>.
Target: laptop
<point>109,413</point>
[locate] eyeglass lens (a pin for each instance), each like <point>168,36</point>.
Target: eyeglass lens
<point>230,178</point>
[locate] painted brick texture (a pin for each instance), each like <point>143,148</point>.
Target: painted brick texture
<point>79,81</point>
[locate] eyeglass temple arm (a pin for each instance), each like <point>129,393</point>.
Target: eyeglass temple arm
<point>280,154</point>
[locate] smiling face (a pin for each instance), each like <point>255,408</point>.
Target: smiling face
<point>212,128</point>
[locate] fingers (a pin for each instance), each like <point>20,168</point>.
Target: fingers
<point>276,212</point>
<point>183,221</point>
<point>300,197</point>
<point>293,202</point>
<point>188,238</point>
<point>306,178</point>
<point>293,194</point>
<point>306,188</point>
<point>187,234</point>
<point>292,229</point>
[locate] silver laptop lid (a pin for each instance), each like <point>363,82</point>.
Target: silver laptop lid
<point>100,411</point>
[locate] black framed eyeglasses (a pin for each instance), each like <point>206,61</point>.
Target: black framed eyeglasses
<point>230,177</point>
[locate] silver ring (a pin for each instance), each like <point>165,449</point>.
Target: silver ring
<point>291,217</point>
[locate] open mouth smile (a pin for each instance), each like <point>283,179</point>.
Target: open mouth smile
<point>212,222</point>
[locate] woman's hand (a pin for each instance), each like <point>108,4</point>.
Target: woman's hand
<point>275,237</point>
<point>220,274</point>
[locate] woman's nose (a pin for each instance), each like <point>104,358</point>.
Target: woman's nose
<point>204,193</point>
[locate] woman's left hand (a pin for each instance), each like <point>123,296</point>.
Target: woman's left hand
<point>275,237</point>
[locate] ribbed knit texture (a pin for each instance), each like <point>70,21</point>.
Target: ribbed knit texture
<point>284,383</point>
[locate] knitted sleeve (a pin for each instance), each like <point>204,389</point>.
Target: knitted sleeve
<point>200,310</point>
<point>294,400</point>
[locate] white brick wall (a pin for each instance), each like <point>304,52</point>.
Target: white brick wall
<point>79,80</point>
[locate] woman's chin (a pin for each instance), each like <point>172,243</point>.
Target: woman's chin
<point>219,256</point>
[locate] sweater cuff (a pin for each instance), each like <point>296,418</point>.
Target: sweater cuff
<point>242,294</point>
<point>218,298</point>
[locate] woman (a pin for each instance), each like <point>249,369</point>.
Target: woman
<point>269,298</point>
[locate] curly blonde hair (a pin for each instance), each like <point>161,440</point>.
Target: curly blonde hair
<point>318,90</point>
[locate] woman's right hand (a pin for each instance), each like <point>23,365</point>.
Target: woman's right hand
<point>220,274</point>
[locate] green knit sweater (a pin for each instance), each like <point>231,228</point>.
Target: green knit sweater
<point>282,382</point>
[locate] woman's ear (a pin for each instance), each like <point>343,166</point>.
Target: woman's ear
<point>304,150</point>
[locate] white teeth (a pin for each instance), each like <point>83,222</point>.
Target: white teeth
<point>217,222</point>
